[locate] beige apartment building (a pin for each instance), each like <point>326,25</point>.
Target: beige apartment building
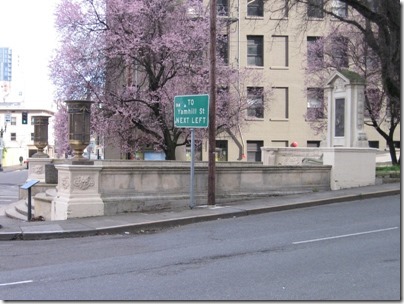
<point>272,42</point>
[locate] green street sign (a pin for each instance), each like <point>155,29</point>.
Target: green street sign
<point>191,111</point>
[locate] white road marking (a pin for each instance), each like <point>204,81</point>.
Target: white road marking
<point>16,283</point>
<point>344,235</point>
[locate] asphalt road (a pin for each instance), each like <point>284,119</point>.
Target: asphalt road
<point>344,251</point>
<point>9,185</point>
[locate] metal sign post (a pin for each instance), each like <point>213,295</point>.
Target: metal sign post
<point>27,186</point>
<point>191,191</point>
<point>191,111</point>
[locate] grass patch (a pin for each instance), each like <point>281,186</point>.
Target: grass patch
<point>395,168</point>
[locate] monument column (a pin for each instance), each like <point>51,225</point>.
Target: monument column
<point>345,90</point>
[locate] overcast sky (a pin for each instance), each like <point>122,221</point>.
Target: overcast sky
<point>27,26</point>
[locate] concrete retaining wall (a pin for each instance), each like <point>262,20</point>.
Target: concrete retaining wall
<point>110,187</point>
<point>351,167</point>
<point>142,186</point>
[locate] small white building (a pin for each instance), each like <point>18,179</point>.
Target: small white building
<point>17,132</point>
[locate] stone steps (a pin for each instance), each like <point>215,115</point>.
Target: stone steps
<point>19,210</point>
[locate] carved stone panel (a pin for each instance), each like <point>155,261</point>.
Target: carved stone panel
<point>339,85</point>
<point>83,182</point>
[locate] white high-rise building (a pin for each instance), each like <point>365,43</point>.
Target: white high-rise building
<point>11,78</point>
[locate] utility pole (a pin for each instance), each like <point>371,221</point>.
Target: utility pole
<point>212,105</point>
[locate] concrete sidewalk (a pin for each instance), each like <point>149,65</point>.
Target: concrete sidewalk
<point>14,168</point>
<point>144,222</point>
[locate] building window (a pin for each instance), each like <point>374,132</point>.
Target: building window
<point>315,103</point>
<point>222,7</point>
<point>13,121</point>
<point>32,136</point>
<point>315,52</point>
<point>313,143</point>
<point>339,52</point>
<point>32,120</point>
<point>254,150</point>
<point>255,50</point>
<point>374,144</point>
<point>339,8</point>
<point>255,100</point>
<point>315,8</point>
<point>280,51</point>
<point>280,106</point>
<point>13,136</point>
<point>221,150</point>
<point>255,8</point>
<point>223,48</point>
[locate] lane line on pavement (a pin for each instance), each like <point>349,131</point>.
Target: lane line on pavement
<point>344,235</point>
<point>16,283</point>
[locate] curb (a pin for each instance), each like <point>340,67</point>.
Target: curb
<point>169,223</point>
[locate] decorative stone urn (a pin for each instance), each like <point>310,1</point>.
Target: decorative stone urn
<point>40,135</point>
<point>79,112</point>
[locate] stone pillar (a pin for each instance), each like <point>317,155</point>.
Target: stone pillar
<point>36,168</point>
<point>78,193</point>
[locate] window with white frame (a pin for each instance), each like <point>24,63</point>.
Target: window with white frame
<point>315,8</point>
<point>255,50</point>
<point>255,8</point>
<point>255,100</point>
<point>315,103</point>
<point>13,121</point>
<point>13,136</point>
<point>339,8</point>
